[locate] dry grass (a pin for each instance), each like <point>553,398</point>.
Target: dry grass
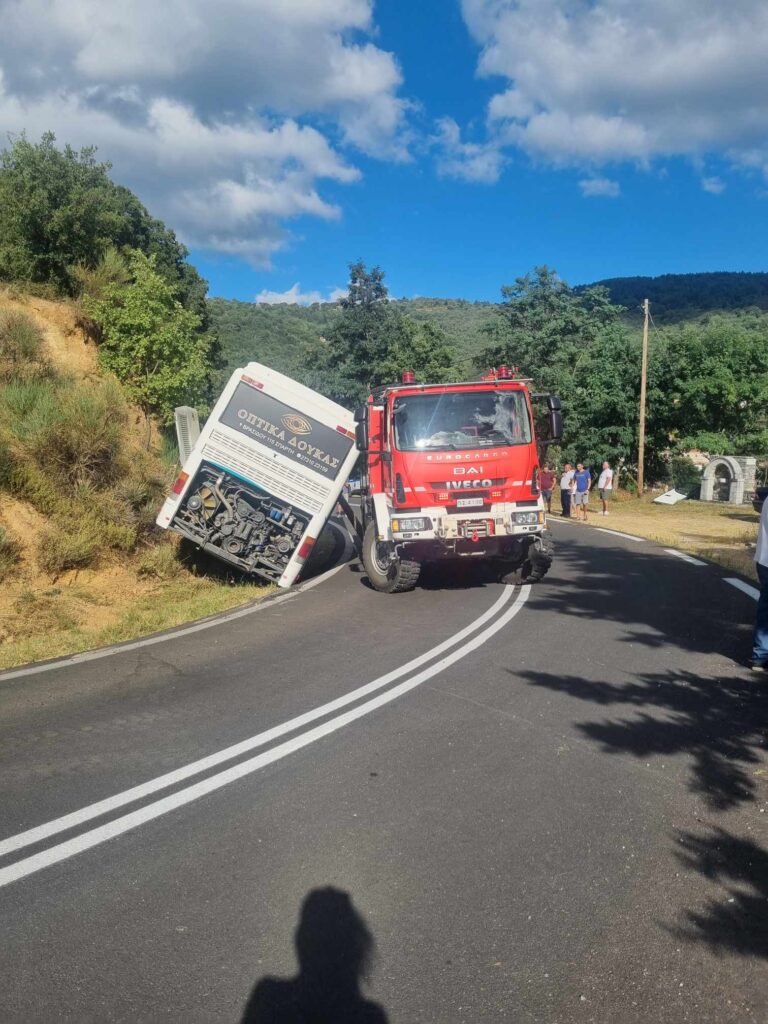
<point>725,534</point>
<point>58,621</point>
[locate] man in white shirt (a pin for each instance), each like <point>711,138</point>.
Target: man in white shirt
<point>760,643</point>
<point>605,486</point>
<point>566,485</point>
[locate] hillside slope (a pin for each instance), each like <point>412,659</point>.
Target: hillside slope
<point>81,563</point>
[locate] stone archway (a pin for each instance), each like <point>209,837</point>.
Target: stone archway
<point>728,478</point>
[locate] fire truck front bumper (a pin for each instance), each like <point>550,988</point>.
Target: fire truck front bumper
<point>497,522</point>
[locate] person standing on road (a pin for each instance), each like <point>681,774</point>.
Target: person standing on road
<point>565,489</point>
<point>605,486</point>
<point>582,482</point>
<point>760,641</point>
<point>546,483</point>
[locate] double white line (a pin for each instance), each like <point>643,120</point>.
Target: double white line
<point>497,617</point>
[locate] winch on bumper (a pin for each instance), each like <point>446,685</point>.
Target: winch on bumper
<point>501,530</point>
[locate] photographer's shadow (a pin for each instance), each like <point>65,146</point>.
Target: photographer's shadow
<point>334,948</point>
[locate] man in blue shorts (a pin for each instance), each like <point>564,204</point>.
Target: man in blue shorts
<point>583,481</point>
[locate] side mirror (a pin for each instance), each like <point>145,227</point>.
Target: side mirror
<point>555,419</point>
<point>360,413</point>
<point>361,435</point>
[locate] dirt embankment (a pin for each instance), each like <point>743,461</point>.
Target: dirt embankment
<point>123,594</point>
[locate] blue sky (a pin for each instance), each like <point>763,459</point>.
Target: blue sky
<point>457,143</point>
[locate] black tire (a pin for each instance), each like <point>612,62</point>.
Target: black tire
<point>536,565</point>
<point>392,577</point>
<point>541,556</point>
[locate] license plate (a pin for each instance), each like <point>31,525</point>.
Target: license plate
<point>469,502</point>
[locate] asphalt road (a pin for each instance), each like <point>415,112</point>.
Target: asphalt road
<point>555,814</point>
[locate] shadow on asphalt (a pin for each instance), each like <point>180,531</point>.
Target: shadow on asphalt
<point>334,947</point>
<point>719,721</point>
<point>447,576</point>
<point>740,866</point>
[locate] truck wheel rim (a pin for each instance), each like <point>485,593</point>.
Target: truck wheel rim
<point>382,564</point>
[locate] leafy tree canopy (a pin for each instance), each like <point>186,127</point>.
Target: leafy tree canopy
<point>60,210</point>
<point>152,344</point>
<point>372,342</point>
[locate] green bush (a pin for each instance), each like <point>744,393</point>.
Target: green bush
<point>59,550</point>
<point>22,352</point>
<point>21,340</point>
<point>161,563</point>
<point>686,478</point>
<point>10,554</point>
<point>76,434</point>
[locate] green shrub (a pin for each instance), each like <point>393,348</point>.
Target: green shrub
<point>21,340</point>
<point>10,554</point>
<point>19,399</point>
<point>76,434</point>
<point>686,478</point>
<point>160,563</point>
<point>59,550</point>
<point>22,353</point>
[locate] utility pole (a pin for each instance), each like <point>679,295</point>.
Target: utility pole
<point>643,378</point>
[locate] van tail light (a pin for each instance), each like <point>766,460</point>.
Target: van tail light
<point>306,547</point>
<point>180,484</point>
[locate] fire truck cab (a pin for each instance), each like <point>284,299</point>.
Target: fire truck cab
<point>451,471</point>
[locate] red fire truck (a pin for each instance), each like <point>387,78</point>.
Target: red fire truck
<point>451,471</point>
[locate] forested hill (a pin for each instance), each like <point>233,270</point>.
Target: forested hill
<point>279,334</point>
<point>676,297</point>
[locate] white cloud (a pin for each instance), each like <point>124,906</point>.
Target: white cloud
<point>595,81</point>
<point>470,161</point>
<point>600,187</point>
<point>296,297</point>
<point>225,122</point>
<point>713,185</point>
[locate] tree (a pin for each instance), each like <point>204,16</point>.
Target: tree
<point>716,384</point>
<point>152,344</point>
<point>372,342</point>
<point>60,210</point>
<point>546,327</point>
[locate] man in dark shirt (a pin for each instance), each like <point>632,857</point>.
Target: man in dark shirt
<point>546,483</point>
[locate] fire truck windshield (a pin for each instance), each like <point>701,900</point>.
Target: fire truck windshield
<point>461,419</point>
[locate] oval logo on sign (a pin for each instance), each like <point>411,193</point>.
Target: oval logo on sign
<point>296,423</point>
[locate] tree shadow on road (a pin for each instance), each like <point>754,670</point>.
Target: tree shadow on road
<point>740,923</point>
<point>719,723</point>
<point>646,592</point>
<point>717,718</point>
<point>335,948</point>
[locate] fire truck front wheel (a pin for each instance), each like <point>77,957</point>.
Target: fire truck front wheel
<point>386,572</point>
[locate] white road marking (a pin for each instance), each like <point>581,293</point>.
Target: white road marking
<point>94,837</point>
<point>686,558</point>
<point>217,620</point>
<point>112,803</point>
<point>752,592</point>
<point>615,533</point>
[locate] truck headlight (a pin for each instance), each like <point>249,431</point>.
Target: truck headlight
<point>411,525</point>
<point>527,518</point>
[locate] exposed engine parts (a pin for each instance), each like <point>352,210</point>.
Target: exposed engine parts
<point>236,522</point>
